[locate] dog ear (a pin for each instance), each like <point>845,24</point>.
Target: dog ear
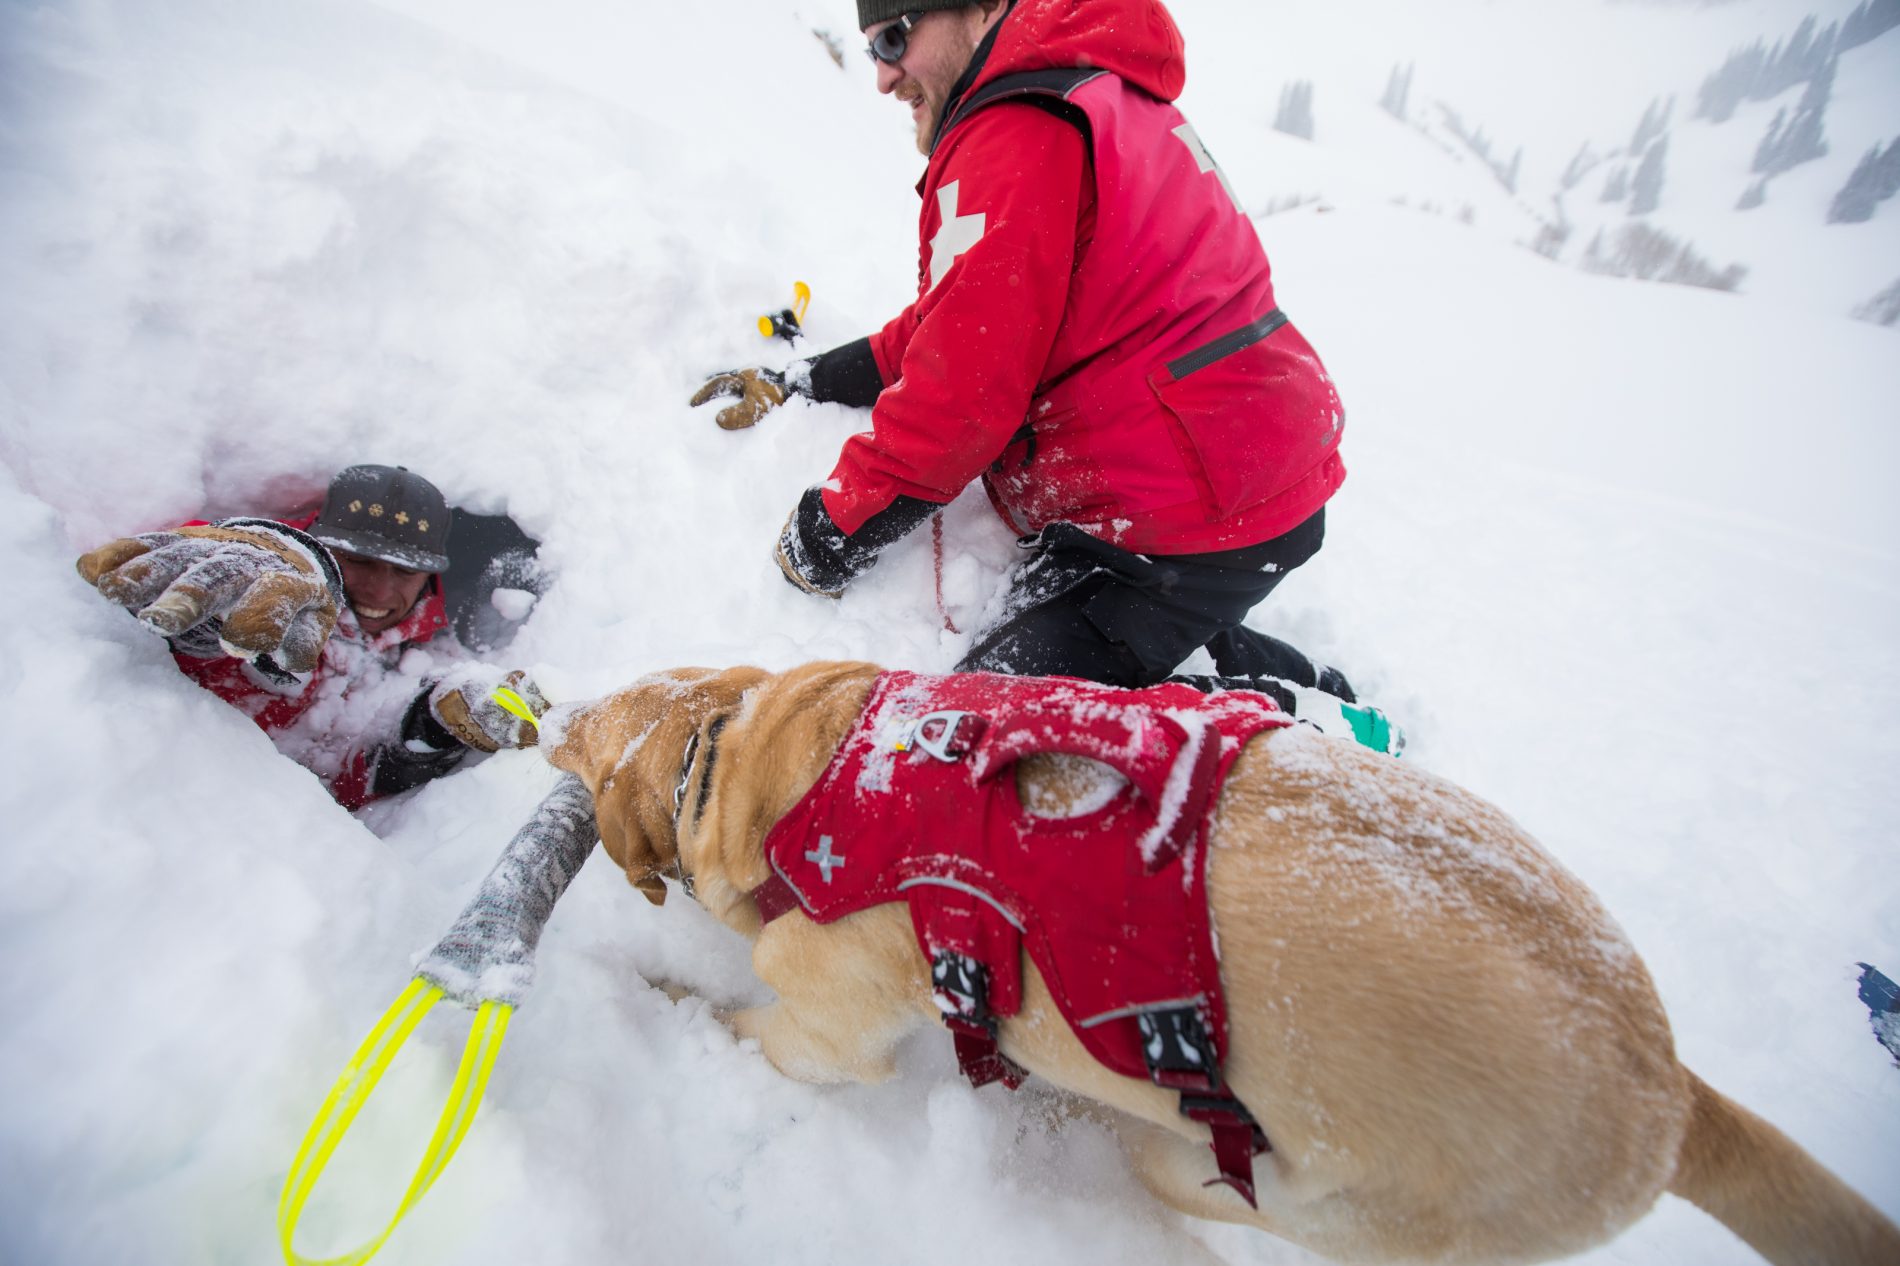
<point>593,741</point>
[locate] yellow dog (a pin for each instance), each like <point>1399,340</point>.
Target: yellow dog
<point>1456,1053</point>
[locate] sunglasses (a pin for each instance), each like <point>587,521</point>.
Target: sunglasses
<point>890,44</point>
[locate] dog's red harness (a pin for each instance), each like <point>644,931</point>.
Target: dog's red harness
<point>920,805</point>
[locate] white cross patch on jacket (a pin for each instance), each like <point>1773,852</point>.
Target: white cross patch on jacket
<point>955,235</point>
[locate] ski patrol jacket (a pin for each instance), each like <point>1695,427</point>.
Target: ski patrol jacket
<point>920,804</point>
<point>1095,333</point>
<point>348,657</point>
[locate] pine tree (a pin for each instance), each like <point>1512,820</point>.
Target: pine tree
<point>1617,187</point>
<point>1869,22</point>
<point>1728,87</point>
<point>1648,186</point>
<point>1806,53</point>
<point>1579,167</point>
<point>1768,153</point>
<point>1875,179</point>
<point>1754,195</point>
<point>1887,171</point>
<point>1805,138</point>
<point>1856,201</point>
<point>1509,175</point>
<point>1295,117</point>
<point>1398,91</point>
<point>1654,123</point>
<point>1883,308</point>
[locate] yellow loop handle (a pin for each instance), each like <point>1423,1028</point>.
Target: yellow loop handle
<point>516,705</point>
<point>353,1089</point>
<point>801,300</point>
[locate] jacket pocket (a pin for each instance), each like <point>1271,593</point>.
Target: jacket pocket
<point>1256,408</point>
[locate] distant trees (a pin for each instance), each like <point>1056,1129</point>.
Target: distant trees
<point>1479,144</point>
<point>1759,73</point>
<point>1295,116</point>
<point>1649,254</point>
<point>1646,190</point>
<point>1550,239</point>
<point>1883,308</point>
<point>1580,166</point>
<point>1654,124</point>
<point>1398,90</point>
<point>1876,178</point>
<point>1617,187</point>
<point>1869,22</point>
<point>1803,137</point>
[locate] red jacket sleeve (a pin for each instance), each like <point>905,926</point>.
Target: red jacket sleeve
<point>999,231</point>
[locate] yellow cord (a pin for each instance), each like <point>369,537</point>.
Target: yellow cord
<point>353,1088</point>
<point>515,704</point>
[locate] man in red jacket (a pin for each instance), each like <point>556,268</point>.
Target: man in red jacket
<point>288,621</point>
<point>1095,337</point>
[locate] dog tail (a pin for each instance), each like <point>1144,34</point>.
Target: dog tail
<point>1760,1184</point>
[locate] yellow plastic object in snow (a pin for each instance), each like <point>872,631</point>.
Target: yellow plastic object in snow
<point>516,705</point>
<point>353,1089</point>
<point>792,320</point>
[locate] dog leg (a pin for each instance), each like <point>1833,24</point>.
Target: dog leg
<point>848,993</point>
<point>1176,1171</point>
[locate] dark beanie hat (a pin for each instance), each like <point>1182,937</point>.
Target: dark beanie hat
<point>389,513</point>
<point>871,12</point>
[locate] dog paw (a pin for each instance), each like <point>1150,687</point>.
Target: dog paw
<point>749,1023</point>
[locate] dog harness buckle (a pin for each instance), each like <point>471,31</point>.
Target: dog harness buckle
<point>1180,1056</point>
<point>1178,1051</point>
<point>956,736</point>
<point>960,987</point>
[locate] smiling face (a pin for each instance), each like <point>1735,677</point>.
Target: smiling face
<point>381,594</point>
<point>941,44</point>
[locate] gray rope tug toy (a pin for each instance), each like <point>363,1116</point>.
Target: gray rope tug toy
<point>485,962</point>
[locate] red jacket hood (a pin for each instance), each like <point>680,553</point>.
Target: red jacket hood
<point>1134,39</point>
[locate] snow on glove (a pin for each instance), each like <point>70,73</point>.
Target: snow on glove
<point>759,391</point>
<point>819,558</point>
<point>463,703</point>
<point>252,588</point>
<point>489,952</point>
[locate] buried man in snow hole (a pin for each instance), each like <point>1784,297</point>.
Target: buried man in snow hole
<point>278,618</point>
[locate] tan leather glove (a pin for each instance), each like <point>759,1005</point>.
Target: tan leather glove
<point>759,391</point>
<point>244,587</point>
<point>463,703</point>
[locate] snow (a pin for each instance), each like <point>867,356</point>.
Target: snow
<point>513,604</point>
<point>1619,556</point>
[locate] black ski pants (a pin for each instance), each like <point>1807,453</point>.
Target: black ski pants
<point>1081,607</point>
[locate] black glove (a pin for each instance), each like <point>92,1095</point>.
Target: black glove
<point>423,750</point>
<point>820,559</point>
<point>252,588</point>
